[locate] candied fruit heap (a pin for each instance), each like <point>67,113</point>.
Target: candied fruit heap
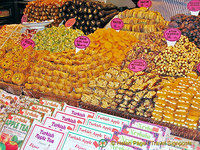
<point>178,102</point>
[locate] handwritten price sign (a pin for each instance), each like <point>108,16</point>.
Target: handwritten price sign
<point>117,24</point>
<point>70,22</point>
<point>194,5</point>
<point>27,42</point>
<point>172,34</point>
<point>144,3</point>
<point>138,65</point>
<point>24,18</point>
<point>82,42</point>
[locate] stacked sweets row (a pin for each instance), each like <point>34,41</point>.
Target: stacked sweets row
<point>89,15</point>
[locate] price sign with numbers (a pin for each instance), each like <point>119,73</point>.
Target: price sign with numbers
<point>138,65</point>
<point>144,3</point>
<point>117,24</point>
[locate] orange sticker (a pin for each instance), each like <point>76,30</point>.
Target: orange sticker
<point>70,22</point>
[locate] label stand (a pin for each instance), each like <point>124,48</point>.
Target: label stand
<point>195,13</point>
<point>171,43</point>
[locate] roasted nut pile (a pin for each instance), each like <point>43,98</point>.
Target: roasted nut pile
<point>142,21</point>
<point>189,26</point>
<point>56,39</point>
<point>177,60</point>
<point>171,61</point>
<point>124,91</point>
<point>178,102</point>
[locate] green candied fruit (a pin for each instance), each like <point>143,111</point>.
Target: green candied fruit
<point>56,39</point>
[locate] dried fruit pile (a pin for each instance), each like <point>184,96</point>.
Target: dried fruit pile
<point>189,26</point>
<point>56,39</point>
<point>141,21</point>
<point>111,44</point>
<point>178,102</point>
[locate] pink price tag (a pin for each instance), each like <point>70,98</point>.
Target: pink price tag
<point>27,42</point>
<point>24,18</point>
<point>82,42</point>
<point>138,65</point>
<point>194,5</point>
<point>144,3</point>
<point>198,67</point>
<point>172,34</point>
<point>117,24</point>
<point>70,22</point>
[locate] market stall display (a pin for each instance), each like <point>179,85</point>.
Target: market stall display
<point>56,39</point>
<point>141,21</point>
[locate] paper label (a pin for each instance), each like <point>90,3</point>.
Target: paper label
<point>172,34</point>
<point>112,119</point>
<point>117,24</point>
<point>76,141</point>
<point>24,19</point>
<point>27,42</point>
<point>79,112</point>
<point>138,65</point>
<point>58,125</point>
<point>43,138</point>
<point>69,118</point>
<point>43,109</point>
<point>147,135</point>
<point>14,130</point>
<point>82,42</point>
<point>198,67</point>
<point>70,22</point>
<point>144,3</point>
<point>31,114</point>
<point>50,103</point>
<point>194,5</point>
<point>94,133</point>
<point>164,131</point>
<point>103,126</point>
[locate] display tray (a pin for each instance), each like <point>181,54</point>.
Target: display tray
<point>175,130</point>
<point>11,88</point>
<point>38,95</point>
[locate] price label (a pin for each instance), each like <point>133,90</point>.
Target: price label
<point>194,5</point>
<point>138,65</point>
<point>70,22</point>
<point>172,34</point>
<point>24,18</point>
<point>117,24</point>
<point>81,42</point>
<point>144,3</point>
<point>198,67</point>
<point>27,42</point>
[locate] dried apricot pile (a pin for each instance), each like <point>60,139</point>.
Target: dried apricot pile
<point>111,44</point>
